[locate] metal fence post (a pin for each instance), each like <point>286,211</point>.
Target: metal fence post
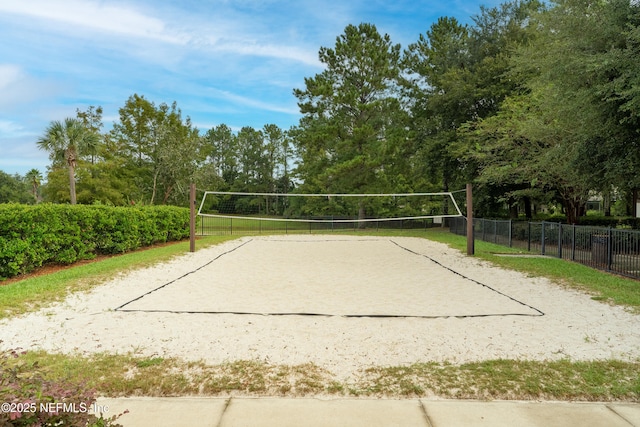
<point>542,240</point>
<point>192,217</point>
<point>609,249</point>
<point>471,248</point>
<point>573,242</point>
<point>510,232</point>
<point>529,236</point>
<point>483,225</point>
<point>559,240</point>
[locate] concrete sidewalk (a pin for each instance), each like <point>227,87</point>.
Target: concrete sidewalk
<point>298,412</point>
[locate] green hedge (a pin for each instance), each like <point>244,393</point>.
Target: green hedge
<point>613,222</point>
<point>595,221</point>
<point>31,236</point>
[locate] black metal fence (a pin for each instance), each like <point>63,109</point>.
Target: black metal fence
<point>609,249</point>
<point>221,225</point>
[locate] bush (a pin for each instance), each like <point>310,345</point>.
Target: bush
<point>595,220</point>
<point>629,222</point>
<point>609,221</point>
<point>31,400</point>
<point>551,218</point>
<point>599,221</point>
<point>31,236</point>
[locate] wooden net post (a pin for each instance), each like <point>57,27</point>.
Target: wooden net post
<point>470,236</point>
<point>192,218</point>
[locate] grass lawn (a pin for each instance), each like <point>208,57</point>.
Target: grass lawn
<point>129,375</point>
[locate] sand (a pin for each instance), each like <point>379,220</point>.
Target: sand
<point>343,303</point>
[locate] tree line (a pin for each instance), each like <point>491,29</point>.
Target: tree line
<point>535,102</point>
<point>152,154</point>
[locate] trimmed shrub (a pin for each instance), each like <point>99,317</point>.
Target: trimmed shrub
<point>599,221</point>
<point>631,222</point>
<point>31,236</point>
<point>595,221</point>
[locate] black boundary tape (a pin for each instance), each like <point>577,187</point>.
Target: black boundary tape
<point>372,316</point>
<point>382,316</point>
<point>473,281</point>
<point>119,308</point>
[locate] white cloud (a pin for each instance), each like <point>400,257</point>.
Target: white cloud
<point>254,103</point>
<point>19,153</point>
<point>19,88</point>
<point>9,74</point>
<point>271,51</point>
<point>10,129</point>
<point>218,33</point>
<point>94,15</point>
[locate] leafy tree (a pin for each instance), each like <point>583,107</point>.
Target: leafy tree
<point>496,34</point>
<point>135,135</point>
<point>178,155</point>
<point>253,165</point>
<point>66,142</point>
<point>92,120</point>
<point>103,182</point>
<point>615,143</point>
<point>275,153</point>
<point>220,147</point>
<point>518,159</point>
<point>14,189</point>
<point>104,176</point>
<point>460,76</point>
<point>137,127</point>
<point>561,106</point>
<point>285,155</point>
<point>442,94</point>
<point>278,154</point>
<point>34,179</point>
<point>163,152</point>
<point>350,112</point>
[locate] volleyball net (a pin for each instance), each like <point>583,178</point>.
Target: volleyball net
<point>238,212</point>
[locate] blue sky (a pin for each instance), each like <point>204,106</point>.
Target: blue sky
<point>223,61</point>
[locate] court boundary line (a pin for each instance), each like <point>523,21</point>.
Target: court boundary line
<point>381,316</point>
<point>119,308</point>
<point>310,314</point>
<point>541,313</point>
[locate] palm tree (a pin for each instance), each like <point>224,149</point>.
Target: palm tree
<point>34,178</point>
<point>67,141</point>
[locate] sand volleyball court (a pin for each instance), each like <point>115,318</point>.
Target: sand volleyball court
<point>367,277</point>
<point>344,303</point>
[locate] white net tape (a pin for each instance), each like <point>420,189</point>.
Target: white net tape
<point>328,208</point>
